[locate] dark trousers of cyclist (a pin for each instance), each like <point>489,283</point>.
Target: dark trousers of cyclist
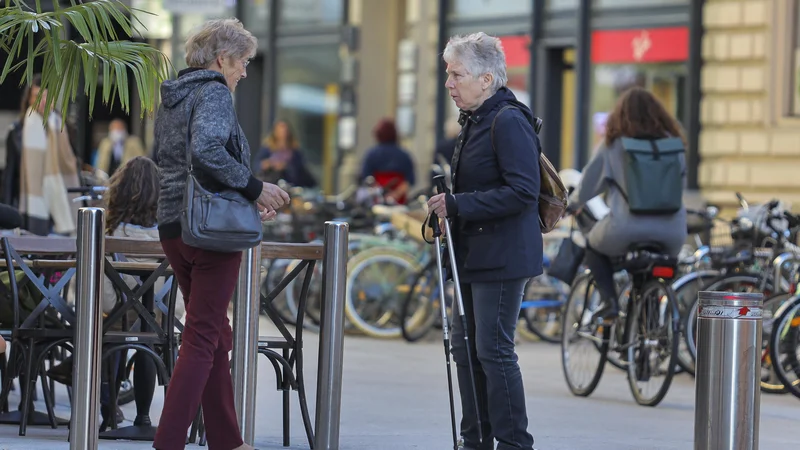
<point>492,312</point>
<point>603,273</point>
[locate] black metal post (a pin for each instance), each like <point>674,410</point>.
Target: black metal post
<point>551,88</point>
<point>693,91</point>
<point>537,22</point>
<point>441,78</point>
<point>271,62</point>
<point>583,80</point>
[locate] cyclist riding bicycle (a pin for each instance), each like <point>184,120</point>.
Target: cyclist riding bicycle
<point>641,169</point>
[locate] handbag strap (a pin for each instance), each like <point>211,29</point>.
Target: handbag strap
<point>189,126</point>
<point>189,129</point>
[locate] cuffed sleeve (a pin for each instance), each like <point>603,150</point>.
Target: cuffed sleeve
<point>451,205</point>
<point>253,189</point>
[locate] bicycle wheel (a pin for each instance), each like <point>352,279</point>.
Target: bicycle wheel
<point>377,283</point>
<point>541,307</point>
<point>744,282</point>
<point>770,383</point>
<point>686,289</point>
<point>785,345</point>
<point>584,344</point>
<point>617,330</point>
<point>420,307</point>
<point>652,330</point>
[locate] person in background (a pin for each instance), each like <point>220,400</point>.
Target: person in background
<point>388,163</point>
<point>117,148</point>
<point>443,154</point>
<point>281,158</point>
<point>48,167</point>
<point>131,205</point>
<point>10,186</point>
<point>639,115</point>
<point>446,147</point>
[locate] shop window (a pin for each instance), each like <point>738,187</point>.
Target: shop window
<point>637,3</point>
<point>256,18</point>
<point>295,13</point>
<point>489,8</point>
<point>308,99</point>
<point>559,5</point>
<point>794,73</point>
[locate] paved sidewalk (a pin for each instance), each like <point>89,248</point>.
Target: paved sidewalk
<point>395,398</point>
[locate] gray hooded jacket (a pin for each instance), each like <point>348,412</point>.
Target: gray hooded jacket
<point>220,153</point>
<point>615,233</point>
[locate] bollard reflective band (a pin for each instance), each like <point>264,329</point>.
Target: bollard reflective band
<point>729,312</point>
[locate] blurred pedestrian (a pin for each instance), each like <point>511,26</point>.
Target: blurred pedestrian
<point>281,158</point>
<point>48,167</point>
<point>389,164</point>
<point>637,115</point>
<point>497,237</point>
<point>217,55</point>
<point>117,148</point>
<point>443,153</point>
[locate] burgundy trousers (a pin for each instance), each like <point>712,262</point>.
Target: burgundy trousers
<point>202,374</point>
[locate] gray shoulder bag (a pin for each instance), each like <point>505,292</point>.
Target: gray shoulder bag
<point>218,221</point>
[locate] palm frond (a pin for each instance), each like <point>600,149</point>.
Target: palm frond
<point>66,64</point>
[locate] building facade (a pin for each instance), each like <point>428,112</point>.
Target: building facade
<point>728,69</point>
<point>567,59</point>
<point>295,75</point>
<point>750,138</point>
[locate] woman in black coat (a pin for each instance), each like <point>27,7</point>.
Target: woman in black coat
<point>496,233</point>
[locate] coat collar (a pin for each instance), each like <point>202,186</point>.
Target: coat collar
<point>483,110</point>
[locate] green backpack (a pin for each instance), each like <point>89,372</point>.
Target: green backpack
<point>653,175</point>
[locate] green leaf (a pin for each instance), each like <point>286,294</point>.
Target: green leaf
<point>67,63</point>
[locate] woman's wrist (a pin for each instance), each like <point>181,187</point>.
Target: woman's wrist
<point>253,189</point>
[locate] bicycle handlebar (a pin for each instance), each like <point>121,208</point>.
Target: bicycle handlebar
<point>87,189</point>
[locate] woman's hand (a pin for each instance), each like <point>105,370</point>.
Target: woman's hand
<point>272,197</point>
<point>438,205</point>
<point>266,214</point>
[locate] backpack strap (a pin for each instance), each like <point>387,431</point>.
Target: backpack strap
<point>537,123</point>
<point>494,121</point>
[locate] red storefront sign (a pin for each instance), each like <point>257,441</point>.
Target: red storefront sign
<point>640,46</point>
<point>517,49</point>
<point>616,46</point>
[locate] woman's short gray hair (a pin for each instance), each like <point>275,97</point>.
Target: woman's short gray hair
<point>219,37</point>
<point>480,54</point>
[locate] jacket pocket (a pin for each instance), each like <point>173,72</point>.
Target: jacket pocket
<point>485,247</point>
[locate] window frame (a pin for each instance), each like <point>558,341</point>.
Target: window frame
<point>782,62</point>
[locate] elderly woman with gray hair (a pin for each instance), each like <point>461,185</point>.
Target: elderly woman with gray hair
<point>217,54</point>
<point>497,237</point>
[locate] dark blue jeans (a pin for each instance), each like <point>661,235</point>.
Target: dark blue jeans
<point>492,312</point>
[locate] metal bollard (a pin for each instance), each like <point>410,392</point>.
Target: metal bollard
<point>88,331</point>
<point>728,394</point>
<point>245,341</point>
<point>331,337</point>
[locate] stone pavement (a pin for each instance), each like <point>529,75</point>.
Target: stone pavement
<point>395,398</point>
